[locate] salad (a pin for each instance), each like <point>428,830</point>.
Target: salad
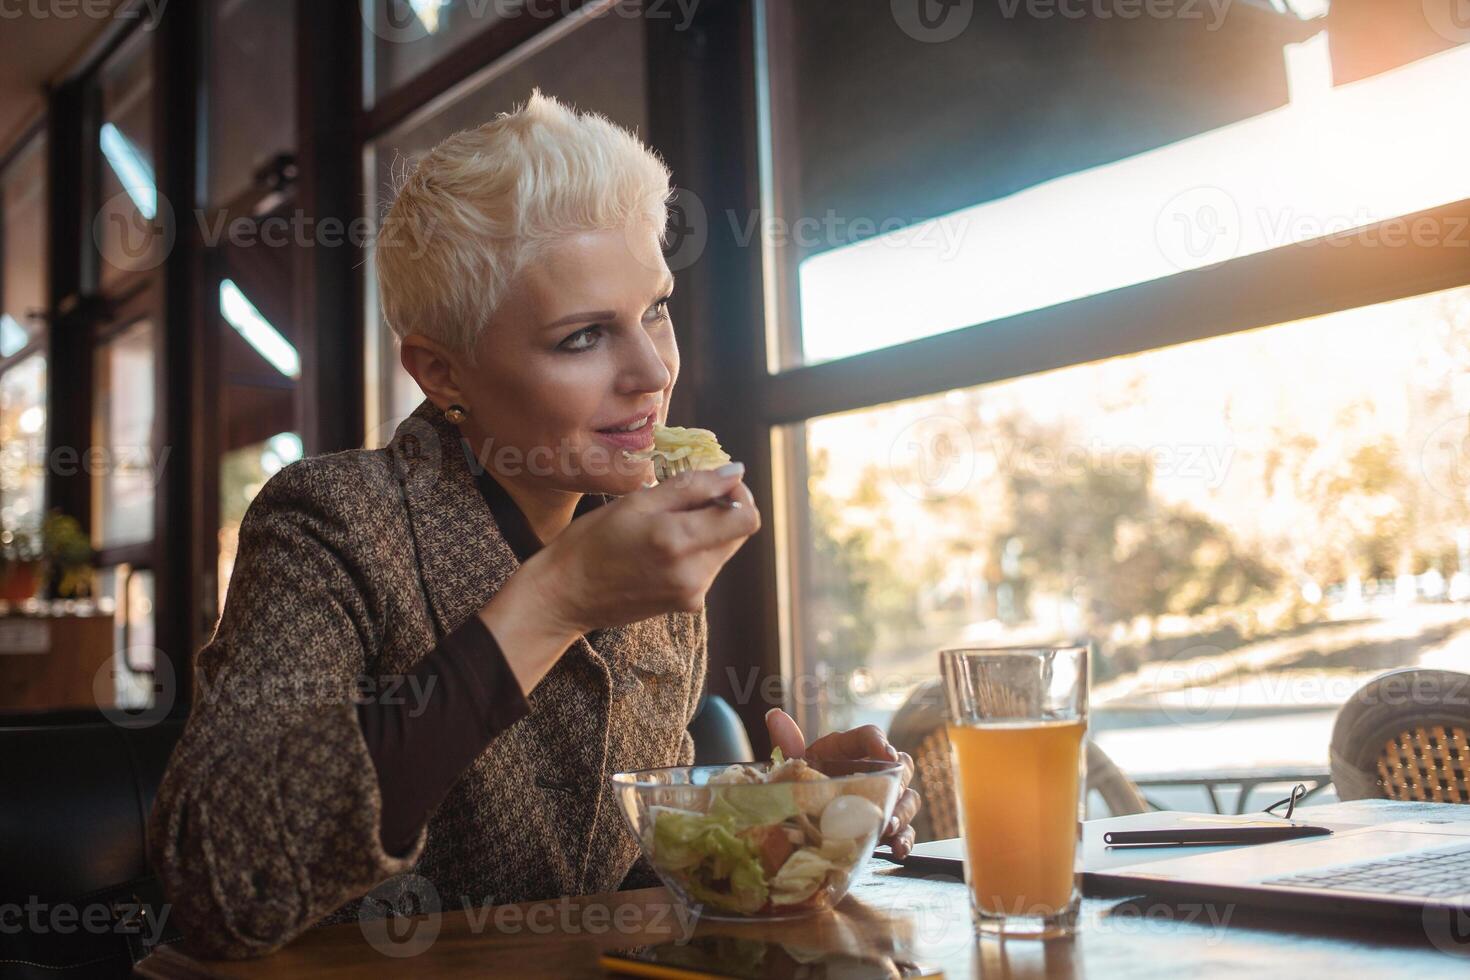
<point>765,841</point>
<point>676,449</point>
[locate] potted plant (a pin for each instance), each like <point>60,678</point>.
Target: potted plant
<point>68,552</point>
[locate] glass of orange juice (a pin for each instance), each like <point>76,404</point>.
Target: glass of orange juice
<point>1017,721</point>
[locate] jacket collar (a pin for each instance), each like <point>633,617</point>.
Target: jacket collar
<point>462,556</point>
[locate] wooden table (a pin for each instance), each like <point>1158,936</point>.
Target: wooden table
<point>891,912</point>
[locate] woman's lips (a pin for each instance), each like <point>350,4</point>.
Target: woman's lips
<point>637,440</point>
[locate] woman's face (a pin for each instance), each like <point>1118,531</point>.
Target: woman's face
<point>582,344</point>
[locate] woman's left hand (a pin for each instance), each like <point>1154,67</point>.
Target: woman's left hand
<point>867,742</point>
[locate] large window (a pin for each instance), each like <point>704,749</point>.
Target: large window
<point>1248,525</point>
<point>594,63</point>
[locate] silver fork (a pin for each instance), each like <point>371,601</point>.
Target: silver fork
<point>665,470</point>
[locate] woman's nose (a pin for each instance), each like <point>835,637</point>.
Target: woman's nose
<point>645,369</point>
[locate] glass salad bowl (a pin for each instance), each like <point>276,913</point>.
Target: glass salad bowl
<point>770,840</point>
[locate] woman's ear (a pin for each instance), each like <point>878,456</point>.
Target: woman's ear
<point>432,366</point>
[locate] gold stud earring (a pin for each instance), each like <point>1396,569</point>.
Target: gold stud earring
<point>455,414</point>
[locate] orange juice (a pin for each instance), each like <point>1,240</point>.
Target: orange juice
<point>1017,786</point>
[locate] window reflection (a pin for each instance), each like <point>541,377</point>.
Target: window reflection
<point>406,37</point>
<point>23,248</point>
<point>124,467</point>
<point>1113,169</point>
<point>243,472</point>
<point>252,92</point>
<point>131,591</point>
<point>129,203</point>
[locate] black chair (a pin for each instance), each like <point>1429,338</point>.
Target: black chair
<point>73,831</point>
<point>719,734</point>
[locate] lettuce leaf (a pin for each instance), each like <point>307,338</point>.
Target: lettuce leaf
<point>801,875</point>
<point>754,806</point>
<point>717,868</point>
<point>747,889</point>
<point>683,838</point>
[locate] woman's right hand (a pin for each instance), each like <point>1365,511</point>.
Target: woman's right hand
<point>653,551</point>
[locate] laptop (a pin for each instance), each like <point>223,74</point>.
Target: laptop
<point>1403,868</point>
<point>1406,868</point>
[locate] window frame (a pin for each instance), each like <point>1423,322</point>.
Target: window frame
<point>81,309</point>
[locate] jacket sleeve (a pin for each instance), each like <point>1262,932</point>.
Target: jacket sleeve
<point>267,818</point>
<point>699,641</point>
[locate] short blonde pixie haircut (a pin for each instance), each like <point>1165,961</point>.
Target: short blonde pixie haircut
<point>478,207</point>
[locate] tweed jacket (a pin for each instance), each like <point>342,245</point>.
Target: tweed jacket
<point>351,567</point>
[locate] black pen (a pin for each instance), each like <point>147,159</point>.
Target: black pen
<point>1212,835</point>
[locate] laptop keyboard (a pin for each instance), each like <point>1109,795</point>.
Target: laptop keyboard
<point>1432,874</point>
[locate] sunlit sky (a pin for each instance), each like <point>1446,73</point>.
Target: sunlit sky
<point>1333,159</point>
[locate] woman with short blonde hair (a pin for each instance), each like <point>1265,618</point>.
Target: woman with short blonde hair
<point>433,654</point>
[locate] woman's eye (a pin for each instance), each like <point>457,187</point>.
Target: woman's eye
<point>660,310</point>
<point>584,339</point>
